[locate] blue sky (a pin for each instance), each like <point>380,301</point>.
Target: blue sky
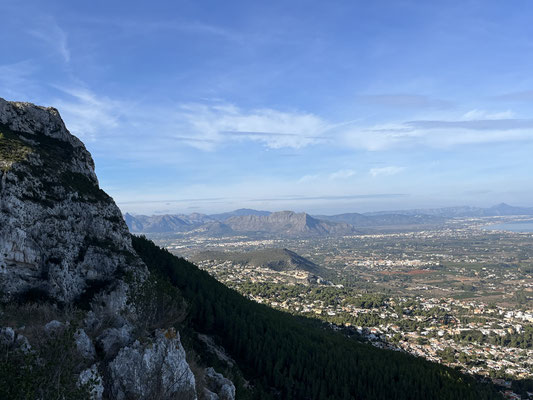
<point>327,107</point>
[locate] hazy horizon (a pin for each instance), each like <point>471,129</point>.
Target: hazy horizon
<point>324,107</point>
<point>312,211</point>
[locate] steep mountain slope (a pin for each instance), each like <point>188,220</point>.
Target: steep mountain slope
<point>275,259</point>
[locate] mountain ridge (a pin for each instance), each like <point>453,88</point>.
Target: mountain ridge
<point>293,224</point>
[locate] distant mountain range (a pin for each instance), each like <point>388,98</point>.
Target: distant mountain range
<point>283,223</point>
<point>292,224</point>
<point>365,220</point>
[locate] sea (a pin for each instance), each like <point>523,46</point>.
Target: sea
<point>521,227</point>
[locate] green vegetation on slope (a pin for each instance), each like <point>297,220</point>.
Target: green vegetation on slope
<point>12,149</point>
<point>54,155</point>
<point>289,357</point>
<point>47,371</point>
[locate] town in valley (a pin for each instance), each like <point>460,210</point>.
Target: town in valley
<point>460,293</point>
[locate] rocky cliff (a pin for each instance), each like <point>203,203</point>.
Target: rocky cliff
<point>60,234</point>
<point>66,254</point>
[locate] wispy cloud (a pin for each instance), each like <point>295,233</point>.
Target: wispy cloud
<point>521,96</point>
<point>496,128</point>
<point>53,36</point>
<point>483,114</point>
<point>341,197</point>
<point>15,80</point>
<point>210,125</point>
<point>308,178</point>
<point>142,27</point>
<point>386,171</point>
<point>87,114</point>
<point>342,174</point>
<point>404,101</point>
<point>170,201</point>
<point>276,129</point>
<point>475,124</point>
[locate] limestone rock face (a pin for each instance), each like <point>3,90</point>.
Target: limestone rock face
<point>60,234</point>
<point>154,370</point>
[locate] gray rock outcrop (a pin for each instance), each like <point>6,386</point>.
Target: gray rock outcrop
<point>154,370</point>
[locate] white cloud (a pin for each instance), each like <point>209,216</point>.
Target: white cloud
<point>223,122</point>
<point>210,125</point>
<point>386,171</point>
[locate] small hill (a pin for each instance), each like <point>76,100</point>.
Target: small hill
<point>275,259</point>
